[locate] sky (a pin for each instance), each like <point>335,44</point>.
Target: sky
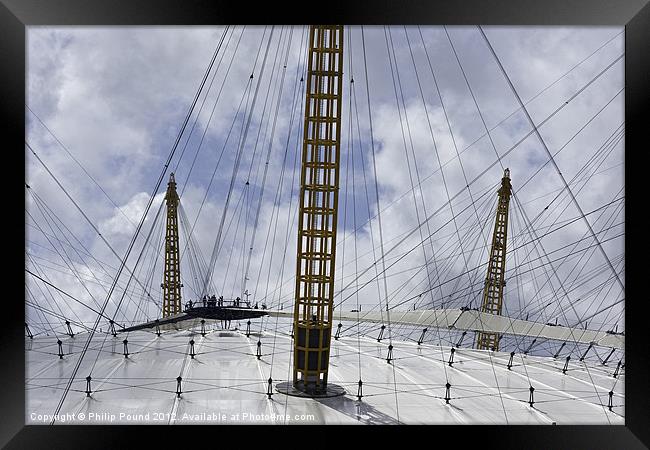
<point>105,106</point>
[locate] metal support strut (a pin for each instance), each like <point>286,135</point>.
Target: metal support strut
<point>381,333</point>
<point>530,346</point>
<point>318,208</point>
<point>582,358</point>
<point>179,391</point>
<point>566,364</point>
<point>29,333</point>
<point>338,331</point>
<point>421,339</point>
<point>494,280</point>
<point>451,357</point>
<point>111,326</point>
<point>192,354</point>
<point>171,284</point>
<point>61,349</point>
<point>389,358</point>
<point>70,333</point>
<point>608,356</point>
<point>88,390</point>
<point>460,341</point>
<point>512,355</point>
<point>126,348</point>
<point>610,403</point>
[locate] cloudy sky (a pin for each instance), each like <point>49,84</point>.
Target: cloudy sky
<point>106,104</point>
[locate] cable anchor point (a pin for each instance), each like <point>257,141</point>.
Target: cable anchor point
<point>460,341</point>
<point>421,339</point>
<point>566,364</point>
<point>179,391</point>
<point>69,333</point>
<point>381,333</point>
<point>338,331</point>
<point>269,390</point>
<point>88,390</point>
<point>610,403</point>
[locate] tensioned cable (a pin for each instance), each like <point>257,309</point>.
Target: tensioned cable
<point>480,175</point>
<point>504,119</point>
<point>266,164</point>
<point>44,209</point>
<point>535,129</point>
<point>453,139</point>
<point>236,168</point>
<point>381,236</point>
<point>80,165</point>
<point>480,234</point>
<point>270,94</point>
<point>132,243</point>
<point>557,110</point>
<point>65,293</point>
<point>354,203</point>
<point>539,136</point>
<point>39,310</point>
<point>579,190</point>
<point>123,262</point>
<point>205,97</point>
<point>599,74</point>
<point>101,264</point>
<point>69,263</point>
<point>36,266</point>
<point>483,120</point>
<point>417,213</point>
<point>277,200</point>
<point>214,106</point>
<point>512,250</point>
<point>223,148</point>
<point>50,296</point>
<point>602,149</point>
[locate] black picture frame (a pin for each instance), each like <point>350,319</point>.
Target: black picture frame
<point>16,15</point>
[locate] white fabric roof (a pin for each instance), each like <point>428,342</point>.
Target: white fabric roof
<point>226,383</point>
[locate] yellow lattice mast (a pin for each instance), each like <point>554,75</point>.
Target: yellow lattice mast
<point>494,281</point>
<point>319,187</point>
<point>171,284</point>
